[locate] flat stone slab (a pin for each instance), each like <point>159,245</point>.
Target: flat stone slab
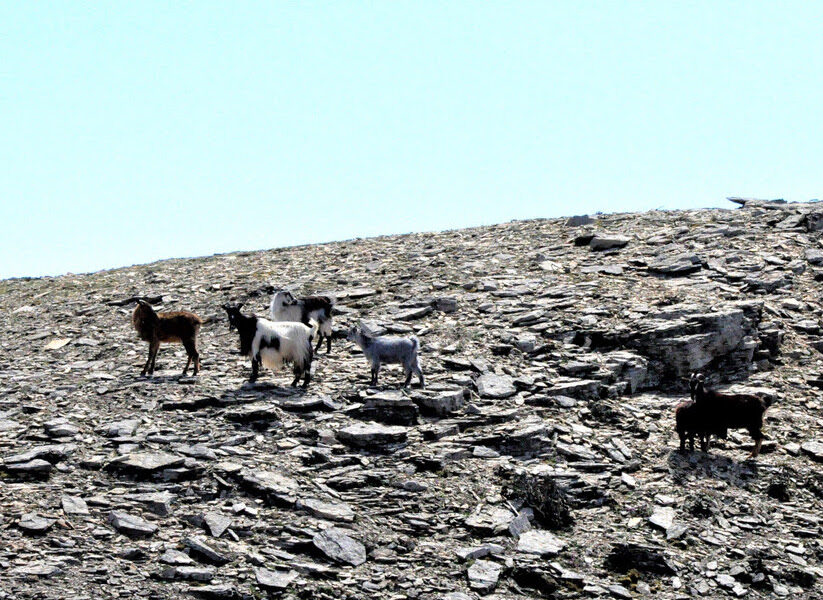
<point>274,580</point>
<point>145,464</point>
<point>576,388</point>
<point>337,545</point>
<point>607,242</point>
<point>332,511</point>
<point>216,523</point>
<point>255,411</point>
<point>495,386</point>
<point>541,543</point>
<point>52,453</point>
<point>662,517</point>
<point>813,450</point>
<point>413,313</point>
<point>188,573</point>
<point>208,551</point>
<point>483,575</point>
<point>440,403</point>
<point>36,467</point>
<point>157,502</point>
<point>36,569</point>
<point>372,435</point>
<point>74,505</point>
<point>131,525</point>
<point>271,485</point>
<point>32,524</point>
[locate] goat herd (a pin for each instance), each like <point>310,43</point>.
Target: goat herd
<point>287,337</point>
<point>295,322</point>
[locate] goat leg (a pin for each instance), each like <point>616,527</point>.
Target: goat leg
<point>255,369</point>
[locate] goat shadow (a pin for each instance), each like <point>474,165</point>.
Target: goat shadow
<point>712,466</point>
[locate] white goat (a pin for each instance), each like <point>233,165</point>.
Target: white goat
<point>389,350</point>
<point>272,344</point>
<point>285,307</point>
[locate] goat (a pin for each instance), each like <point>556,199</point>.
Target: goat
<point>273,343</point>
<point>690,421</point>
<point>716,412</point>
<point>389,350</point>
<point>179,326</point>
<point>285,307</point>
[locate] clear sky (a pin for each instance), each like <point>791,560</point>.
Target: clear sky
<point>134,131</point>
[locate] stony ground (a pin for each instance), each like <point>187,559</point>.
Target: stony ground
<point>540,460</point>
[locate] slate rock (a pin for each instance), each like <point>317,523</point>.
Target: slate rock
<point>131,525</point>
<point>31,524</point>
<point>208,551</point>
<point>372,435</point>
<point>74,505</point>
<point>541,543</point>
<point>332,511</point>
<point>607,242</point>
<point>271,485</point>
<point>337,545</point>
<point>145,464</point>
<point>813,449</point>
<point>495,386</point>
<point>483,575</point>
<point>274,580</point>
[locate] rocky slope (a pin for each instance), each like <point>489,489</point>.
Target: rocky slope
<point>540,461</point>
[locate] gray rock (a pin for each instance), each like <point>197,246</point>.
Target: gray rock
<point>579,221</point>
<point>208,551</point>
<point>392,408</point>
<point>813,449</point>
<point>326,510</point>
<point>36,467</point>
<point>158,503</point>
<point>274,580</point>
<point>495,386</point>
<point>74,505</point>
<point>607,242</point>
<point>372,435</point>
<point>678,264</point>
<point>216,523</point>
<point>271,485</point>
<point>413,313</point>
<point>32,524</point>
<point>541,543</point>
<point>338,546</point>
<point>662,517</point>
<point>188,573</point>
<point>145,464</point>
<point>440,403</point>
<point>483,575</point>
<point>131,525</point>
<point>175,557</point>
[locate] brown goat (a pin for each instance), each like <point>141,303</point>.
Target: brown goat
<point>690,420</point>
<point>179,326</point>
<point>715,412</point>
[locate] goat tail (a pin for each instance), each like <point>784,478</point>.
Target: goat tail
<point>415,344</point>
<point>767,401</point>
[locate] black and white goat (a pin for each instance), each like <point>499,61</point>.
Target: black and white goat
<point>272,344</point>
<point>285,307</point>
<point>179,326</point>
<point>389,350</point>
<point>713,413</point>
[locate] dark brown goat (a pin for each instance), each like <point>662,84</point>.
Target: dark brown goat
<point>179,326</point>
<point>690,421</point>
<point>713,412</point>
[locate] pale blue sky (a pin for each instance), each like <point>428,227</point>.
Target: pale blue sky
<point>131,132</point>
